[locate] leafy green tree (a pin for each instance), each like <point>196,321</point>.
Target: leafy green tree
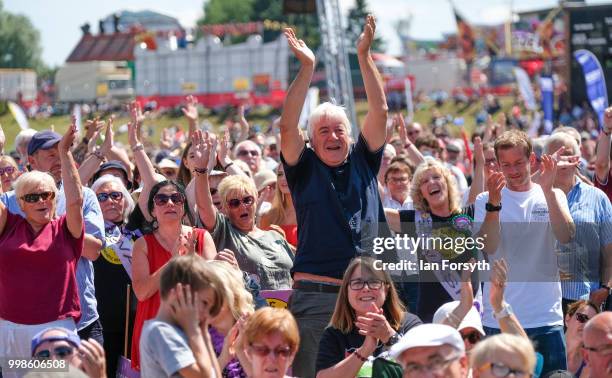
<point>226,11</point>
<point>20,42</point>
<point>356,21</point>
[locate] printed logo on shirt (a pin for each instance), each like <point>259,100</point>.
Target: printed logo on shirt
<point>110,256</point>
<point>539,213</point>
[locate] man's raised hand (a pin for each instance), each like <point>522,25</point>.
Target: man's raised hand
<point>367,37</point>
<point>299,48</point>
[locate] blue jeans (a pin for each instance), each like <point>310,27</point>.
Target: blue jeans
<point>549,341</point>
<point>93,331</point>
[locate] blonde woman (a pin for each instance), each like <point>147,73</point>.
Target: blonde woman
<point>503,355</point>
<point>438,216</point>
<point>369,317</point>
<point>282,212</point>
<point>224,327</point>
<point>9,172</point>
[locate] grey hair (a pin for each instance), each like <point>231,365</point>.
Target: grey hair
<point>563,138</point>
<point>128,202</point>
<point>325,110</point>
<point>32,179</point>
<point>24,136</point>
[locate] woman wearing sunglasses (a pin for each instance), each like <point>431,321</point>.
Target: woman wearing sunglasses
<point>39,255</point>
<point>368,319</point>
<point>503,355</point>
<point>113,268</point>
<point>578,314</point>
<point>167,205</point>
<point>270,340</point>
<point>265,254</point>
<point>9,172</point>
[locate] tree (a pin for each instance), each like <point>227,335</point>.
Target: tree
<point>226,11</point>
<point>356,21</point>
<point>20,42</point>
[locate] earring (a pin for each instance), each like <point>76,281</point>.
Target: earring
<point>154,223</point>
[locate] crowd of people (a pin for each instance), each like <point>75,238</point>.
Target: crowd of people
<point>161,253</point>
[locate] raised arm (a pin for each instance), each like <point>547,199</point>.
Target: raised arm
<point>94,160</point>
<point>509,323</point>
<point>204,158</point>
<point>244,125</point>
<point>477,186</point>
<point>191,113</point>
<point>602,160</point>
<point>224,156</point>
<point>292,141</point>
<point>490,229</point>
<point>414,155</point>
<point>560,219</point>
<point>374,126</point>
<point>72,183</point>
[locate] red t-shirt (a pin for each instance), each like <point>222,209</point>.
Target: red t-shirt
<point>606,188</point>
<point>38,272</point>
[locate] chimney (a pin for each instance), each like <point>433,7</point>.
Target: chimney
<point>86,28</point>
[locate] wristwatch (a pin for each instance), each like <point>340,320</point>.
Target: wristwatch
<point>393,339</point>
<point>504,313</point>
<point>491,207</point>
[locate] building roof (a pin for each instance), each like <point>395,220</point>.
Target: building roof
<point>110,47</point>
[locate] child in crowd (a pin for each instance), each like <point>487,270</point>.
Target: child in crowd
<point>176,342</point>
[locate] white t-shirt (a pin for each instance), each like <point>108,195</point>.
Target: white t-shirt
<point>528,245</point>
<point>390,203</point>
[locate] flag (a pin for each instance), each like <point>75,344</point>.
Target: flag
<point>310,103</point>
<point>19,115</point>
<point>524,86</point>
<point>467,42</point>
<point>595,82</point>
<point>76,112</point>
<point>548,97</point>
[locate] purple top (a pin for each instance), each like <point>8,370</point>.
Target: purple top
<point>233,369</point>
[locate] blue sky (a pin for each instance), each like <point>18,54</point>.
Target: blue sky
<point>59,20</point>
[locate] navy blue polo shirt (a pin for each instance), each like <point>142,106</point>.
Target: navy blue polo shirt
<point>338,209</point>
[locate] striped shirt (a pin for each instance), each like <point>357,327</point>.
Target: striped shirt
<point>579,260</point>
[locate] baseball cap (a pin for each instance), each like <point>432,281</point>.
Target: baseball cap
<point>453,147</point>
<point>112,164</point>
<point>167,163</point>
<point>471,320</point>
<point>264,178</point>
<point>43,140</point>
<point>69,336</point>
<point>216,172</point>
<point>559,374</point>
<point>427,335</point>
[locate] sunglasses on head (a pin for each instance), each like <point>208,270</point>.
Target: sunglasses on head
<point>162,199</point>
<point>247,152</point>
<point>582,318</point>
<point>8,170</point>
<point>264,351</point>
<point>116,196</point>
<point>36,197</point>
<point>60,352</point>
<point>472,337</point>
<point>235,202</point>
<point>500,370</point>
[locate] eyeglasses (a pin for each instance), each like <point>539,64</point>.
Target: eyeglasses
<point>247,152</point>
<point>472,337</point>
<point>35,197</point>
<point>500,370</point>
<point>398,180</point>
<point>581,318</point>
<point>604,349</point>
<point>61,352</point>
<point>116,196</point>
<point>8,170</point>
<point>213,191</point>
<point>264,351</point>
<point>436,366</point>
<point>235,202</point>
<point>359,284</point>
<point>162,199</point>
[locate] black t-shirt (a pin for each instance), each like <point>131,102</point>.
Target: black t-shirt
<point>432,294</point>
<point>335,346</point>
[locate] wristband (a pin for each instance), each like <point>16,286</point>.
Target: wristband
<point>98,155</point>
<point>201,171</point>
<point>362,358</point>
<point>138,147</point>
<point>227,166</point>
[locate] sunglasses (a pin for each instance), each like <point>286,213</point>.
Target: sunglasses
<point>472,337</point>
<point>116,196</point>
<point>8,170</point>
<point>35,197</point>
<point>213,191</point>
<point>235,202</point>
<point>581,318</point>
<point>264,351</point>
<point>61,352</point>
<point>359,284</point>
<point>162,199</point>
<point>500,370</point>
<point>247,152</point>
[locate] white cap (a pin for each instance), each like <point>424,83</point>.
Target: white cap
<point>471,320</point>
<point>167,163</point>
<point>427,335</point>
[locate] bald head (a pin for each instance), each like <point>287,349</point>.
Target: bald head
<point>597,338</point>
